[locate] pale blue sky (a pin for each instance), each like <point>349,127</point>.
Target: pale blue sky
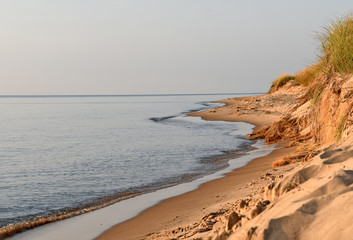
<point>156,46</point>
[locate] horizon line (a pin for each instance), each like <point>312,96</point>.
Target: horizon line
<point>120,95</point>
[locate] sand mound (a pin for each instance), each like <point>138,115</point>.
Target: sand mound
<point>313,202</point>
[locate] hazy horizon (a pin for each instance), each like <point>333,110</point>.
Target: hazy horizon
<point>156,47</point>
<point>123,95</point>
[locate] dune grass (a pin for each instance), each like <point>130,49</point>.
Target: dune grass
<point>304,77</point>
<point>337,46</point>
<point>280,81</point>
<point>308,75</point>
<point>336,57</point>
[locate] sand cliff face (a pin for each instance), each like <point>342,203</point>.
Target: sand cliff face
<point>323,116</point>
<point>314,200</point>
<point>324,113</point>
<point>334,110</point>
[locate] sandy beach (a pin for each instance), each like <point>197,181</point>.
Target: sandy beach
<point>180,216</point>
<point>189,208</point>
<point>296,192</point>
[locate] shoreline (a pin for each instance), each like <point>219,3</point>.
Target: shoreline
<point>245,174</point>
<point>190,207</point>
<point>43,223</point>
<point>97,221</point>
<point>24,225</point>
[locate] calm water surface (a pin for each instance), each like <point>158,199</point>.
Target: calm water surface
<point>59,153</point>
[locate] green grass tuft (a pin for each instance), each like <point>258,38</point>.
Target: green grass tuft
<point>337,46</point>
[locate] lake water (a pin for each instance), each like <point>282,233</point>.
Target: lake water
<point>60,154</point>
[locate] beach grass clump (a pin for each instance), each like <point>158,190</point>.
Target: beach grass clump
<point>308,75</point>
<point>281,81</point>
<point>337,46</point>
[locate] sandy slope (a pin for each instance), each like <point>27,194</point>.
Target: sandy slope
<point>314,201</point>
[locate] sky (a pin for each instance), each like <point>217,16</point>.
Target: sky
<point>157,46</point>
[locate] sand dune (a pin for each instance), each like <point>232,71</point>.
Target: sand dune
<point>312,202</point>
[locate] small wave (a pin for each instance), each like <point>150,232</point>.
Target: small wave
<point>12,229</point>
<point>158,119</point>
<point>206,105</point>
<point>211,104</point>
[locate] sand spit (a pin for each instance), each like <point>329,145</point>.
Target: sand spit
<point>260,110</point>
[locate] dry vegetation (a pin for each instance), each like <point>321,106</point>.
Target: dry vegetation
<point>306,76</point>
<point>281,81</point>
